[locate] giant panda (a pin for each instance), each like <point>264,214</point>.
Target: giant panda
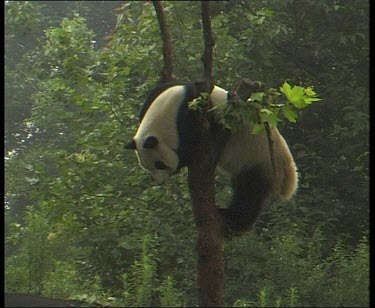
<point>166,141</point>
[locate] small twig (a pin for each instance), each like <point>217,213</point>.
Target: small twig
<point>116,197</point>
<point>28,79</point>
<point>114,113</point>
<point>270,146</point>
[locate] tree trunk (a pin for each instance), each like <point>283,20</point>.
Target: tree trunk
<point>209,227</point>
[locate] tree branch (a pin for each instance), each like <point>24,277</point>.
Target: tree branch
<point>167,71</point>
<point>209,44</point>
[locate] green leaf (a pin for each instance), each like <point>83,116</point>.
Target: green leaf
<point>266,111</point>
<point>128,242</point>
<point>290,114</point>
<point>310,96</point>
<point>32,181</point>
<point>270,117</point>
<point>258,96</point>
<point>294,95</point>
<point>125,71</point>
<point>309,91</point>
<point>309,100</point>
<point>257,129</point>
<point>286,89</point>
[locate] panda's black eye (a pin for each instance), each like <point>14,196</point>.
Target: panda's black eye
<point>160,165</point>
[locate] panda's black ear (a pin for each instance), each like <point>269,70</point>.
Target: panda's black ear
<point>150,142</point>
<point>131,145</point>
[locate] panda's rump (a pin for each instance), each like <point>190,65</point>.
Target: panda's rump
<point>245,151</point>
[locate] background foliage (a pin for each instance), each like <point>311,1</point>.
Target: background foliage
<point>81,218</point>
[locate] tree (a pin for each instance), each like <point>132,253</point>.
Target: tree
<point>100,205</point>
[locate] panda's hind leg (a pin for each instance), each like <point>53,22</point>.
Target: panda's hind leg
<point>251,188</point>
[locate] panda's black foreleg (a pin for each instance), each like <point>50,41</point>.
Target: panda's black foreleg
<point>250,191</point>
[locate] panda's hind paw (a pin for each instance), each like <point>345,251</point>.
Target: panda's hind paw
<point>232,226</point>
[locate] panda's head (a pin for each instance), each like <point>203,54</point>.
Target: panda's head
<point>157,140</point>
<point>155,156</point>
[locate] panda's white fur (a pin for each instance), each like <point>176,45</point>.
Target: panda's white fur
<point>160,121</point>
<point>255,151</point>
<point>165,142</point>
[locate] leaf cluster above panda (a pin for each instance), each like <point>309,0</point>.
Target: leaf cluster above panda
<point>166,141</point>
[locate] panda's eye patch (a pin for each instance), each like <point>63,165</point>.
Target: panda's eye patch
<point>160,165</point>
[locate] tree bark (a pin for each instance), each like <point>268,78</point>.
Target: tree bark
<point>209,44</point>
<point>210,265</point>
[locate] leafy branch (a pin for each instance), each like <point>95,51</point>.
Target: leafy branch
<point>261,109</point>
<point>266,106</point>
